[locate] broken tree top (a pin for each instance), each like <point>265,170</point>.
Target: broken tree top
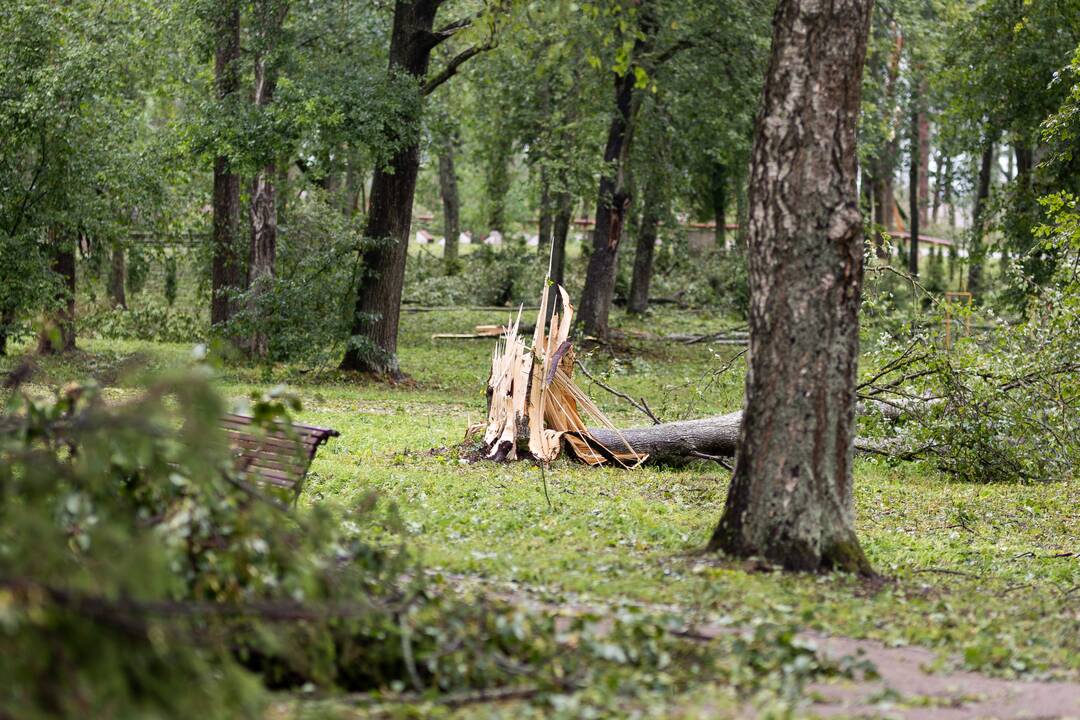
<point>533,403</point>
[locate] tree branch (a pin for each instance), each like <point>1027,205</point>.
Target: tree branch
<point>452,67</point>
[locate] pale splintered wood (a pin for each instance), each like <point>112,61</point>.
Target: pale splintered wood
<point>533,403</point>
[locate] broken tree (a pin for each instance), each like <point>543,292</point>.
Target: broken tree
<point>533,402</point>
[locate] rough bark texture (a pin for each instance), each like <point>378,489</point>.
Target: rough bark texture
<point>977,251</point>
<point>923,122</point>
<point>117,273</point>
<point>227,272</point>
<point>646,248</point>
<point>716,436</point>
<point>560,231</point>
<point>790,499</point>
<point>373,346</point>
<point>58,335</point>
<point>613,201</point>
<point>915,187</point>
<point>263,188</point>
<point>451,203</point>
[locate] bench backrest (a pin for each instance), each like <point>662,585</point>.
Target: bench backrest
<point>275,457</point>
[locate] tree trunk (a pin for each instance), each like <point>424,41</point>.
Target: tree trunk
<point>373,345</point>
<point>560,231</point>
<point>947,193</point>
<point>544,228</point>
<point>719,202</point>
<point>451,203</point>
<point>613,201</point>
<point>646,247</point>
<point>923,122</point>
<point>915,186</point>
<point>271,16</point>
<point>117,272</point>
<point>7,319</point>
<point>227,272</point>
<point>976,250</point>
<point>58,335</point>
<point>886,170</point>
<point>790,499</point>
<point>498,184</point>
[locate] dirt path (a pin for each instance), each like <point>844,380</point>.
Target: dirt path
<point>905,689</point>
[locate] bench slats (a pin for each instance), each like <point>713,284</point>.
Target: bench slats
<point>276,458</point>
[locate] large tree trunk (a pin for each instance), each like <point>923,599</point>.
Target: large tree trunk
<point>914,186</point>
<point>58,335</point>
<point>613,202</point>
<point>451,204</point>
<point>373,345</point>
<point>271,16</point>
<point>790,499</point>
<point>646,248</point>
<point>227,272</point>
<point>976,250</point>
<point>117,272</point>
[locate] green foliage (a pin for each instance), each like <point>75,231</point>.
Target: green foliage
<point>509,275</point>
<point>306,310</point>
<point>148,320</point>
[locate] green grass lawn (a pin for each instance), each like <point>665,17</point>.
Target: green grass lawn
<point>987,574</point>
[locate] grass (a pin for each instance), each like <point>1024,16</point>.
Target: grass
<point>986,574</point>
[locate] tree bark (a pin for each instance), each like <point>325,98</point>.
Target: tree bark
<point>914,186</point>
<point>7,320</point>
<point>790,499</point>
<point>982,196</point>
<point>646,248</point>
<point>451,203</point>
<point>560,231</point>
<point>923,122</point>
<point>117,272</point>
<point>271,16</point>
<point>373,345</point>
<point>612,204</point>
<point>716,436</point>
<point>227,272</point>
<point>58,335</point>
<point>545,225</point>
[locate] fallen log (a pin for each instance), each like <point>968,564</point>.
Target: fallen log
<point>679,440</point>
<point>716,436</point>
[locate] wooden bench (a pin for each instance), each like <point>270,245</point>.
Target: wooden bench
<point>280,458</point>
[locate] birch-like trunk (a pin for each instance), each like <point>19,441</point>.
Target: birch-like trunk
<point>790,499</point>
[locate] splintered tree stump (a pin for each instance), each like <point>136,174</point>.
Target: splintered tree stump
<point>533,403</point>
<point>534,408</point>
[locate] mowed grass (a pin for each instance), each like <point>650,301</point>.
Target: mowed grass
<point>987,574</point>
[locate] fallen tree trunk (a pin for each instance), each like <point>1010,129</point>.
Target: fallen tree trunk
<point>715,436</point>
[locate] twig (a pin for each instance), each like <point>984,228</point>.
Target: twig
<point>714,458</point>
<point>543,478</point>
<point>641,408</point>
